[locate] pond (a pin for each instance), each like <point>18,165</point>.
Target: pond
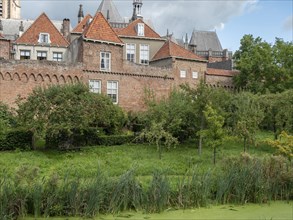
<point>272,211</point>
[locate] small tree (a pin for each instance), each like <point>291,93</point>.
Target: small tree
<point>214,133</point>
<point>156,134</point>
<point>6,119</point>
<point>248,115</point>
<point>284,145</point>
<point>69,112</point>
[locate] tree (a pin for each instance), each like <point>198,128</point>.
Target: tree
<point>284,145</point>
<point>156,134</point>
<point>7,120</point>
<point>248,114</point>
<point>68,112</point>
<point>262,66</point>
<point>214,133</point>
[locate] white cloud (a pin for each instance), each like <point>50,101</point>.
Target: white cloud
<point>288,23</point>
<point>177,16</point>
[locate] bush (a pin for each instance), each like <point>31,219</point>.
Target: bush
<point>114,140</point>
<point>17,138</point>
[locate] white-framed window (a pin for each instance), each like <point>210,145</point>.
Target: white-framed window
<point>130,52</point>
<point>144,53</point>
<point>182,74</point>
<point>194,75</point>
<point>44,38</point>
<point>41,55</point>
<point>105,61</point>
<point>25,54</point>
<point>112,91</point>
<point>95,85</point>
<point>57,56</point>
<point>140,29</point>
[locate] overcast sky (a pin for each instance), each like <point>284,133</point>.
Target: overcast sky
<point>230,18</point>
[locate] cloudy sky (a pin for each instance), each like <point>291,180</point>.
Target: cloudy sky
<point>231,19</point>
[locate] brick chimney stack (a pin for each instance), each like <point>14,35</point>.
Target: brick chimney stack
<point>66,28</point>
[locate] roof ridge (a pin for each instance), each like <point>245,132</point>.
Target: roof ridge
<point>39,17</point>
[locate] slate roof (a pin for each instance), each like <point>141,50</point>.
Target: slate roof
<point>11,27</point>
<point>100,30</point>
<point>81,25</point>
<point>42,25</point>
<point>170,49</point>
<point>205,40</point>
<point>130,31</point>
<point>221,72</point>
<point>108,5</point>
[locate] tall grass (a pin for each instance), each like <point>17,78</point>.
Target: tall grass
<point>238,180</point>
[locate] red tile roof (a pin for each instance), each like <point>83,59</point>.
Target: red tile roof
<point>100,30</point>
<point>42,25</point>
<point>221,72</point>
<point>171,49</point>
<point>130,30</point>
<point>1,36</point>
<point>81,25</point>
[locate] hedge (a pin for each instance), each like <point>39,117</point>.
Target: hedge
<point>17,138</point>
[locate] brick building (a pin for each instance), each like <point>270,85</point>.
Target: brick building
<point>126,63</point>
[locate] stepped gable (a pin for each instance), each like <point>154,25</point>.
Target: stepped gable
<point>42,25</point>
<point>170,49</point>
<point>221,72</point>
<point>100,30</point>
<point>107,7</point>
<point>130,30</point>
<point>81,25</point>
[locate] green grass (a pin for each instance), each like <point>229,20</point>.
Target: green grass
<point>115,160</point>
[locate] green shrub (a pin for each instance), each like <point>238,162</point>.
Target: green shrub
<point>17,138</point>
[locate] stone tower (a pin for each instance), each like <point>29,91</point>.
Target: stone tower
<point>137,5</point>
<point>10,9</point>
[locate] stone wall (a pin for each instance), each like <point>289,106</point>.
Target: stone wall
<point>219,81</point>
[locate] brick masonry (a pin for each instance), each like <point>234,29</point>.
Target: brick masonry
<point>4,49</point>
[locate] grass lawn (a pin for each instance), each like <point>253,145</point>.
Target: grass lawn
<point>272,211</point>
<point>115,160</point>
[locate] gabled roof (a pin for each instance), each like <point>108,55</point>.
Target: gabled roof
<point>42,25</point>
<point>81,25</point>
<point>131,30</point>
<point>170,49</point>
<point>221,72</point>
<point>100,30</point>
<point>205,40</point>
<point>107,6</point>
<point>1,36</point>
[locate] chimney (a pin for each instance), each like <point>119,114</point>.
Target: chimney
<point>108,15</point>
<point>1,27</point>
<point>21,28</point>
<point>80,15</point>
<point>225,55</point>
<point>186,42</point>
<point>66,28</point>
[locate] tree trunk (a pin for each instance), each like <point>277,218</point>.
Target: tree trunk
<point>34,141</point>
<point>160,152</point>
<point>215,151</point>
<point>200,136</point>
<point>244,144</point>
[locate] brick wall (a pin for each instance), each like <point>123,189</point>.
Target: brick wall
<point>219,81</point>
<point>4,49</point>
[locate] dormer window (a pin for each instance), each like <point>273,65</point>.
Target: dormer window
<point>140,29</point>
<point>44,38</point>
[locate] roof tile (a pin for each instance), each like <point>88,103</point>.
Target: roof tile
<point>130,30</point>
<point>81,25</point>
<point>100,30</point>
<point>42,25</point>
<point>170,49</point>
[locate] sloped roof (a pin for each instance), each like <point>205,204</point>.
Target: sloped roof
<point>81,25</point>
<point>1,36</point>
<point>42,25</point>
<point>130,30</point>
<point>221,72</point>
<point>11,27</point>
<point>170,49</point>
<point>108,5</point>
<point>100,30</point>
<point>205,40</point>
